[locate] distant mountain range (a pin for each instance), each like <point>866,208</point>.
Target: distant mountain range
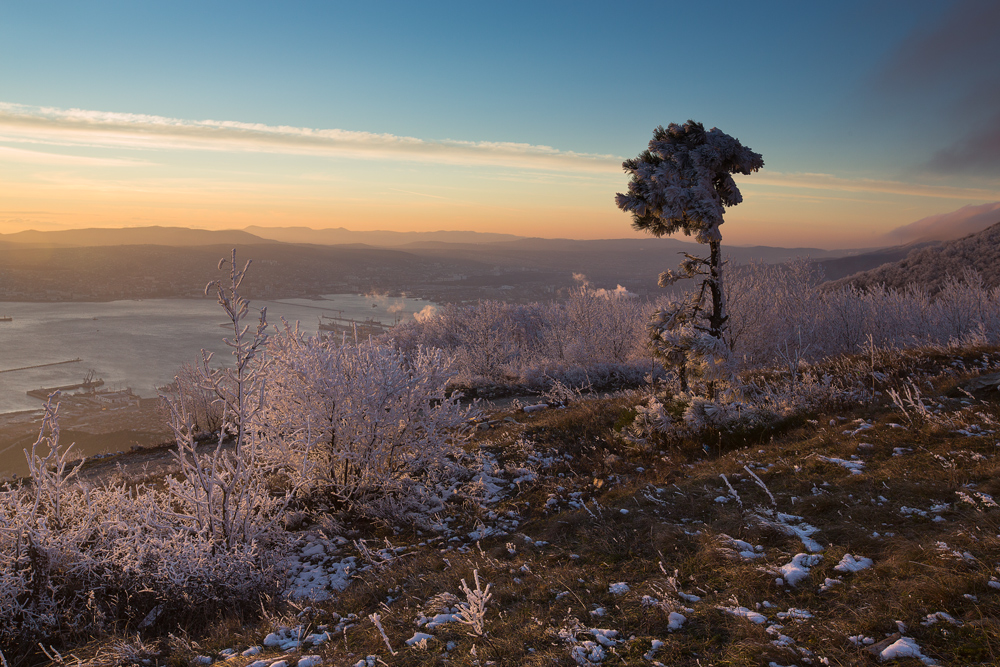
<point>159,262</point>
<point>379,238</point>
<point>100,236</point>
<point>449,264</point>
<point>929,264</point>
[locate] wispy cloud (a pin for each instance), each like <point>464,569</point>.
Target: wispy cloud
<point>42,157</point>
<point>81,127</point>
<point>872,186</point>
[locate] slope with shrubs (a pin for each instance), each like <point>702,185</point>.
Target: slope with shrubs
<point>779,315</point>
<point>931,266</point>
<point>860,530</point>
<point>352,511</point>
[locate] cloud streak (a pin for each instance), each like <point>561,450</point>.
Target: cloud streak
<point>84,128</point>
<point>872,186</point>
<point>41,157</point>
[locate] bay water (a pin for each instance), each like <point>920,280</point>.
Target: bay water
<point>141,344</point>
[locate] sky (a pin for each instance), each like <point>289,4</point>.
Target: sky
<point>501,117</point>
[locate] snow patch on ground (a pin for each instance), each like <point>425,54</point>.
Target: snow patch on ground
<point>748,614</point>
<point>735,549</point>
<point>621,588</point>
<point>856,467</point>
<point>904,647</point>
<point>797,569</point>
<point>851,563</point>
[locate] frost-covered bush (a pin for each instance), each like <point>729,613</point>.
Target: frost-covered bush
<point>80,559</point>
<point>780,317</point>
<point>224,495</point>
<point>595,337</point>
<point>366,419</point>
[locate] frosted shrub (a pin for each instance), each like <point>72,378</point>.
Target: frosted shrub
<point>365,419</point>
<point>199,401</point>
<point>222,495</point>
<point>74,559</point>
<point>472,612</point>
<point>595,337</point>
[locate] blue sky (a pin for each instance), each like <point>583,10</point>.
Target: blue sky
<point>869,115</point>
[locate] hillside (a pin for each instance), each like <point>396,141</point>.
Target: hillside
<point>848,265</point>
<point>931,265</point>
<point>850,534</point>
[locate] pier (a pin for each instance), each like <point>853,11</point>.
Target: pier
<point>52,363</point>
<point>43,393</point>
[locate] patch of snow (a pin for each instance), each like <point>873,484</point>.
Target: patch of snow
<point>856,467</point>
<point>309,661</point>
<point>618,589</point>
<point>802,530</point>
<point>748,614</point>
<point>795,614</point>
<point>904,647</point>
<point>587,653</point>
<point>656,646</point>
<point>828,584</point>
<point>419,637</point>
<point>605,637</point>
<point>851,563</point>
<point>734,547</point>
<point>931,619</point>
<point>780,640</point>
<point>676,620</point>
<point>798,568</point>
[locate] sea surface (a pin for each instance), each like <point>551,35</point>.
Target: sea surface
<point>142,343</point>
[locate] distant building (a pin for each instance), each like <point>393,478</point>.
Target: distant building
<point>115,399</point>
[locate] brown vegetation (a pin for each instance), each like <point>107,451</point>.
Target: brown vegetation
<point>593,510</point>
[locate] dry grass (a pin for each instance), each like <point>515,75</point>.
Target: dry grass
<point>610,512</point>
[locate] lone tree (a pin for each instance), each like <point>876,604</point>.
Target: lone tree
<point>683,182</point>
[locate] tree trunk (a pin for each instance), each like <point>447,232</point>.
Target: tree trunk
<point>717,320</point>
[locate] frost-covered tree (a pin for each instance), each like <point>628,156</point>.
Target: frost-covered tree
<point>683,182</point>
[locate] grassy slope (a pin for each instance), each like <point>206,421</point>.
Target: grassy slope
<point>650,517</point>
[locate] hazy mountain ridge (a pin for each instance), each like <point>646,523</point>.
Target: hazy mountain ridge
<point>106,236</point>
<point>381,238</point>
<point>161,262</point>
<point>930,265</point>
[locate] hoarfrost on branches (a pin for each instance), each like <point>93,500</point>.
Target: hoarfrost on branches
<point>683,182</point>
